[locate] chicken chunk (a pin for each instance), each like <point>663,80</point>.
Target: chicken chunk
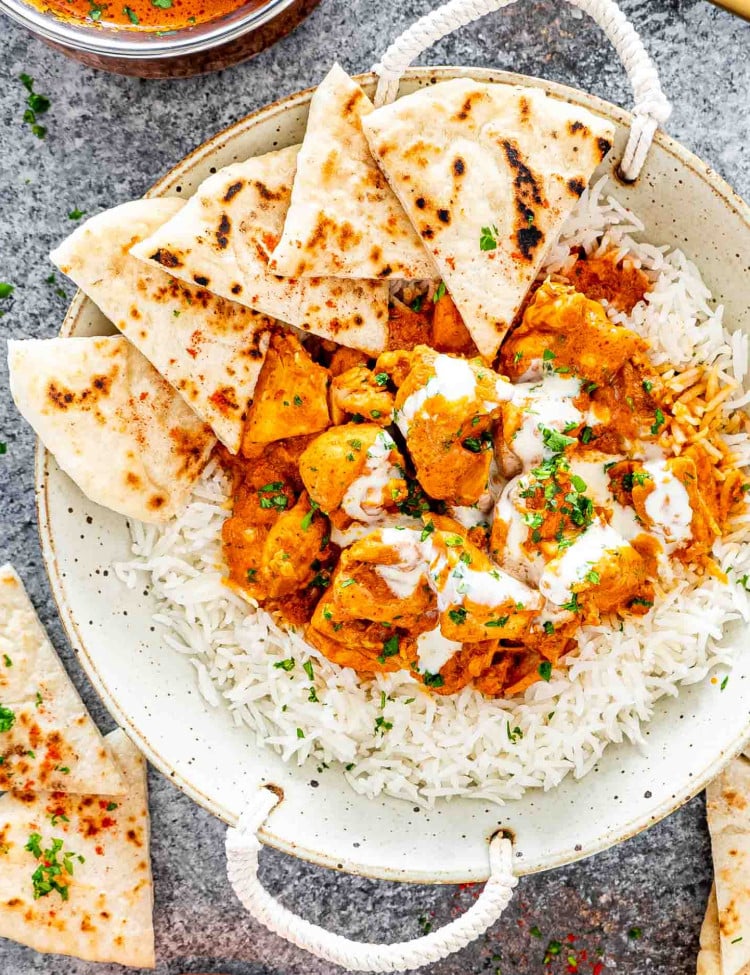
<point>445,408</point>
<point>564,327</point>
<point>364,393</point>
<point>291,397</point>
<point>449,334</point>
<point>356,467</point>
<point>291,551</point>
<point>384,578</point>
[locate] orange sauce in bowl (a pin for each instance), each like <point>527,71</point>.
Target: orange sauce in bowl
<point>146,15</point>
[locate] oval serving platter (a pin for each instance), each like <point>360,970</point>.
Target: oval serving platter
<point>151,690</point>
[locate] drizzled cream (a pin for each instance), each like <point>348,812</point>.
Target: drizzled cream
<point>668,504</point>
<point>547,404</point>
<point>455,381</point>
<point>571,568</point>
<point>434,651</point>
<point>364,497</point>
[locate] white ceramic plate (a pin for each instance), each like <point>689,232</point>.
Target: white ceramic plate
<point>152,691</point>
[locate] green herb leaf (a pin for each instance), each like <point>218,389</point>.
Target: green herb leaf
<point>432,680</point>
<point>593,577</point>
<point>555,441</point>
<point>488,238</point>
<point>346,583</point>
<point>7,718</point>
<point>381,378</point>
<point>545,670</point>
<point>131,15</point>
<point>500,621</point>
<point>724,682</point>
<point>76,214</point>
<point>514,734</point>
<point>7,661</point>
<point>307,520</point>
<point>429,528</point>
<point>635,933</point>
<point>162,4</point>
<point>307,666</point>
<point>658,421</point>
<point>286,665</point>
<point>439,292</point>
<point>390,649</point>
<point>6,290</point>
<point>111,806</point>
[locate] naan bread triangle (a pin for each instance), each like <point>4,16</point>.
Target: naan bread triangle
<point>126,438</point>
<point>106,912</point>
<point>222,240</point>
<point>709,956</point>
<point>728,814</point>
<point>487,173</point>
<point>344,220</point>
<point>210,349</point>
<point>47,739</point>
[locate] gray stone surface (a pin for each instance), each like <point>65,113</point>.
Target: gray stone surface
<point>109,139</point>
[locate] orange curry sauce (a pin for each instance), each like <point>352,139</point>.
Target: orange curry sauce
<point>305,545</point>
<point>147,15</point>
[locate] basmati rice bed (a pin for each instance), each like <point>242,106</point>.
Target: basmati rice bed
<point>428,747</point>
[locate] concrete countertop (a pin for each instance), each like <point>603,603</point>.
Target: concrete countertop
<point>108,139</point>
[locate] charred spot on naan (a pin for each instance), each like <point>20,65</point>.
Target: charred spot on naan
<point>222,234</point>
<point>233,190</point>
<point>529,200</point>
<point>328,232</point>
<point>267,194</point>
<point>225,400</point>
<point>60,398</point>
<point>472,99</point>
<point>166,258</point>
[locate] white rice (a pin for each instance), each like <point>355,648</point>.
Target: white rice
<point>464,744</point>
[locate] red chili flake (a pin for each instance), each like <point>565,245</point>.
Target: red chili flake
<point>597,969</point>
<point>107,821</point>
<point>571,938</point>
<point>100,851</point>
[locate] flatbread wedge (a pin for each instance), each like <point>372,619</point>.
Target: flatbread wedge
<point>709,956</point>
<point>47,739</point>
<point>99,905</point>
<point>126,438</point>
<point>487,173</point>
<point>223,238</point>
<point>728,814</point>
<point>210,349</point>
<point>344,220</point>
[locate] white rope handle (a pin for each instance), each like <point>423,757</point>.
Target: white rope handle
<point>243,847</point>
<point>650,109</point>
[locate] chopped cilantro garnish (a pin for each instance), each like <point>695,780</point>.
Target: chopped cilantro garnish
<point>131,15</point>
<point>346,583</point>
<point>439,292</point>
<point>488,238</point>
<point>545,670</point>
<point>76,214</point>
<point>554,440</point>
<point>724,682</point>
<point>6,290</point>
<point>428,529</point>
<point>416,305</point>
<point>548,627</point>
<point>500,621</point>
<point>390,649</point>
<point>111,806</point>
<point>514,734</point>
<point>51,874</point>
<point>298,401</point>
<point>381,725</point>
<point>585,435</point>
<point>593,577</point>
<point>7,718</point>
<point>7,661</point>
<point>381,378</point>
<point>572,606</point>
<point>453,541</point>
<point>37,105</point>
<point>307,520</point>
<point>308,669</point>
<point>286,665</point>
<point>432,680</point>
<point>639,601</point>
<point>658,421</point>
<point>647,385</point>
<point>300,733</point>
<point>548,355</point>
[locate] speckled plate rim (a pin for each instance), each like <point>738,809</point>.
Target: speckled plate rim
<point>608,837</point>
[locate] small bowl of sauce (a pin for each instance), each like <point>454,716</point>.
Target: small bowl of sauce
<point>159,38</point>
